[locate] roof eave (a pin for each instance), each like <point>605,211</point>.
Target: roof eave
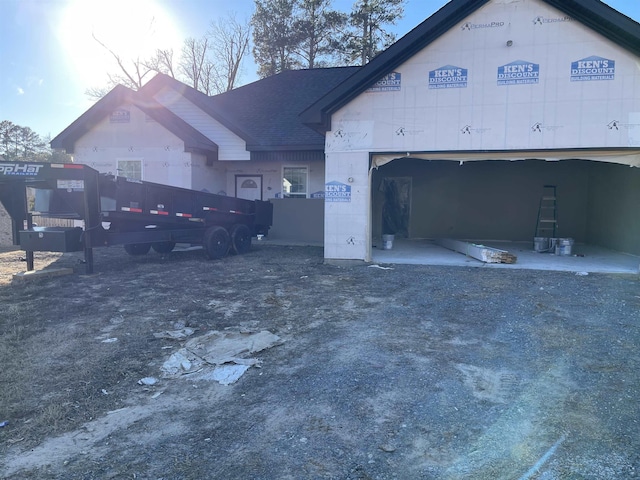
<point>210,155</point>
<point>603,19</point>
<point>199,99</point>
<point>193,140</point>
<point>228,123</point>
<point>283,148</point>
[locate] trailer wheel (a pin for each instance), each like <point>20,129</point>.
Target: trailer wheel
<point>137,248</point>
<point>216,242</point>
<point>240,239</point>
<point>163,247</point>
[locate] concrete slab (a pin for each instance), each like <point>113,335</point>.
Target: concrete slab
<point>584,258</point>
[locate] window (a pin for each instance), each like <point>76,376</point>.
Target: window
<point>294,182</point>
<point>130,169</point>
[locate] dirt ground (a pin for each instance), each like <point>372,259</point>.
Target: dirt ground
<point>400,372</point>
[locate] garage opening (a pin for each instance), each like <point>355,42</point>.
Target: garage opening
<point>598,203</point>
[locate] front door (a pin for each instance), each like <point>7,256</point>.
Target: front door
<point>249,187</point>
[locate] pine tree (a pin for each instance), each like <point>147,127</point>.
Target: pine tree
<point>368,35</point>
<point>318,29</point>
<point>274,38</point>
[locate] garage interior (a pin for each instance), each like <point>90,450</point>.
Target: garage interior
<point>496,203</point>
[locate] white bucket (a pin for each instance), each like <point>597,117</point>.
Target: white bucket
<point>387,242</point>
<point>564,246</point>
<point>541,244</point>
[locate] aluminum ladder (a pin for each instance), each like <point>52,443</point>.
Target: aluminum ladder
<point>547,224</point>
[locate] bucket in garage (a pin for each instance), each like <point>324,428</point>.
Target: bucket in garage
<point>541,244</point>
<point>387,242</point>
<point>564,246</point>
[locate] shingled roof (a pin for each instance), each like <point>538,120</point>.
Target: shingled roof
<point>593,13</point>
<point>265,113</point>
<point>269,109</point>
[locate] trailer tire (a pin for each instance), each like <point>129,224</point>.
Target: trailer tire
<point>136,249</point>
<point>163,247</point>
<point>216,242</point>
<point>240,239</point>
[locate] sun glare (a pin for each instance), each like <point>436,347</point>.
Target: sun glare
<point>132,29</point>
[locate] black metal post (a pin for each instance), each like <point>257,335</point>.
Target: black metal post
<point>29,216</point>
<point>92,217</point>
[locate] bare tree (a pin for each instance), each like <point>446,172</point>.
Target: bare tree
<point>131,73</point>
<point>230,45</point>
<point>162,62</point>
<point>195,65</point>
<point>211,64</point>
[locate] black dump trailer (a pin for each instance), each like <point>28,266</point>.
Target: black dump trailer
<point>120,211</point>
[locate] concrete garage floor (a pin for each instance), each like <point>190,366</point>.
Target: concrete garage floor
<point>584,258</point>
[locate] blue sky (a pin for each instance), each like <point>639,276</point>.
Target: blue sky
<point>49,58</point>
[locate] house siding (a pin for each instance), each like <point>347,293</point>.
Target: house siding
<point>230,146</point>
<point>271,173</point>
<point>478,113</point>
<point>162,153</point>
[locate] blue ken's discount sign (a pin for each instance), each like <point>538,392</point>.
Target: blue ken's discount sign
<point>448,77</point>
<point>392,82</point>
<point>593,68</point>
<point>337,192</point>
<point>519,73</point>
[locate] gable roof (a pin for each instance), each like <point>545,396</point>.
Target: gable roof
<point>196,97</point>
<point>194,141</point>
<point>265,113</point>
<point>593,13</point>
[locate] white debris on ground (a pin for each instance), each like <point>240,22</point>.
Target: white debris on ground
<point>218,356</point>
<point>177,364</point>
<point>175,334</point>
<point>148,381</point>
<point>225,374</point>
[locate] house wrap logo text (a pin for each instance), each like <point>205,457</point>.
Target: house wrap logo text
<point>448,76</point>
<point>392,82</point>
<point>519,73</point>
<point>540,20</point>
<point>593,68</point>
<point>473,26</point>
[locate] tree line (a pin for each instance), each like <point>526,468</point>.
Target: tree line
<point>285,35</point>
<point>292,34</point>
<point>19,143</point>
